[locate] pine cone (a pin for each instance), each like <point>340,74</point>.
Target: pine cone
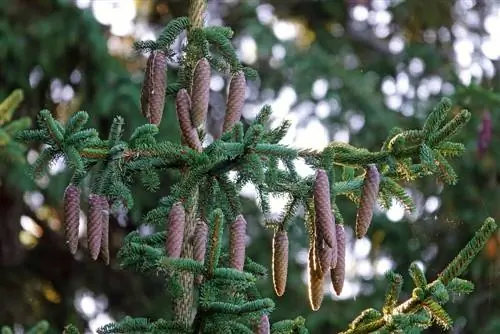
<point>72,216</point>
<point>200,92</point>
<point>264,326</point>
<point>369,194</point>
<point>235,100</point>
<point>237,243</point>
<point>104,251</point>
<point>154,86</point>
<point>338,273</point>
<point>175,230</point>
<point>325,222</point>
<point>315,283</point>
<point>280,261</point>
<point>189,133</point>
<point>94,226</point>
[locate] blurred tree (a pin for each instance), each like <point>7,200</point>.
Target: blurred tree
<point>359,67</point>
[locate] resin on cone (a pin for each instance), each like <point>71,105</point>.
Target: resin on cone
<point>94,225</point>
<point>235,100</point>
<point>104,252</point>
<point>338,273</point>
<point>72,216</point>
<point>175,230</point>
<point>368,200</point>
<point>200,92</point>
<point>154,87</point>
<point>188,131</point>
<point>280,261</point>
<point>237,242</point>
<point>325,222</point>
<point>315,283</point>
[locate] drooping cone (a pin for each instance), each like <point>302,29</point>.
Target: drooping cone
<point>315,283</point>
<point>200,92</point>
<point>200,244</point>
<point>72,216</point>
<point>235,100</point>
<point>175,230</point>
<point>280,261</point>
<point>264,325</point>
<point>368,199</point>
<point>104,252</point>
<point>183,107</point>
<point>94,225</point>
<point>325,222</point>
<point>338,273</point>
<point>154,86</point>
<point>237,243</point>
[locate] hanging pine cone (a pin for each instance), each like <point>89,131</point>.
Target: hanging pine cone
<point>368,200</point>
<point>315,283</point>
<point>338,273</point>
<point>189,133</point>
<point>280,261</point>
<point>264,326</point>
<point>72,216</point>
<point>200,244</point>
<point>94,226</point>
<point>235,100</point>
<point>237,243</point>
<point>154,86</point>
<point>325,222</point>
<point>200,92</point>
<point>175,230</point>
<point>104,251</point>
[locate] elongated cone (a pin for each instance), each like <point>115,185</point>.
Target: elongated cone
<point>237,243</point>
<point>200,92</point>
<point>104,252</point>
<point>72,216</point>
<point>338,273</point>
<point>324,255</point>
<point>264,325</point>
<point>200,244</point>
<point>315,283</point>
<point>325,222</point>
<point>175,230</point>
<point>280,261</point>
<point>235,100</point>
<point>369,194</point>
<point>189,133</point>
<point>154,86</point>
<point>94,225</point>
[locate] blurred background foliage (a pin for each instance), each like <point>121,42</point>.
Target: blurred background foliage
<point>340,70</point>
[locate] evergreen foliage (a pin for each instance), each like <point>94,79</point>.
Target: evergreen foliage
<point>227,295</point>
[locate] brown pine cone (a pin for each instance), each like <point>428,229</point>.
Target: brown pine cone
<point>324,256</point>
<point>264,325</point>
<point>200,244</point>
<point>338,273</point>
<point>280,261</point>
<point>94,226</point>
<point>368,200</point>
<point>237,243</point>
<point>325,221</point>
<point>154,87</point>
<point>315,283</point>
<point>200,92</point>
<point>104,251</point>
<point>183,108</point>
<point>235,100</point>
<point>72,216</point>
<point>175,230</point>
